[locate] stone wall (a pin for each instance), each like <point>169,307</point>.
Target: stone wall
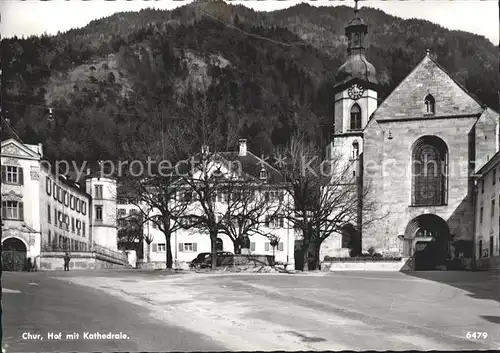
<point>405,264</point>
<point>50,261</point>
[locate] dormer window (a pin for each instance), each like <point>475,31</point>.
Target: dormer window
<point>355,117</point>
<point>430,104</point>
<point>263,174</point>
<point>355,150</point>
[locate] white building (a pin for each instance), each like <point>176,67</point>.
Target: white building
<point>487,228</point>
<point>21,218</point>
<point>103,211</point>
<point>64,213</point>
<point>186,244</point>
<point>43,212</point>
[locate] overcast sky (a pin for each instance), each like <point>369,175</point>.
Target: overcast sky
<point>24,18</point>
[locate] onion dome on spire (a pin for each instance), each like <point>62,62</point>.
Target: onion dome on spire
<point>356,66</point>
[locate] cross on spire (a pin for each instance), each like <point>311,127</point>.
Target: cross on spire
<point>356,10</point>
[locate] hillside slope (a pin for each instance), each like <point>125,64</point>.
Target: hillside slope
<point>270,73</point>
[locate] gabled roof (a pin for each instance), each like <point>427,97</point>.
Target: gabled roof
<point>15,149</point>
<point>252,165</point>
<point>428,77</point>
<point>249,166</point>
<point>492,163</point>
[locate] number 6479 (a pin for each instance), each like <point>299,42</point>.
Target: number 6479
<point>477,335</point>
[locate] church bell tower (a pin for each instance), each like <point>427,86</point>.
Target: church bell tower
<point>355,90</point>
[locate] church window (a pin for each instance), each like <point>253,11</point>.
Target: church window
<point>355,150</point>
<point>355,117</point>
<point>430,104</point>
<point>429,172</point>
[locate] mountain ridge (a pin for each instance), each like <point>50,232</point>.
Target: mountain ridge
<point>271,73</point>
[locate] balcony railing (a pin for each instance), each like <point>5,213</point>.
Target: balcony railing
<point>117,255</point>
<point>98,249</point>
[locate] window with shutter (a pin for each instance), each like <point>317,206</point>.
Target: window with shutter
<point>12,210</point>
<point>48,186</point>
<point>4,174</point>
<point>252,246</point>
<point>162,247</point>
<point>66,198</point>
<point>281,247</point>
<point>54,191</point>
<point>84,208</point>
<point>181,247</point>
<point>83,229</point>
<point>72,202</point>
<point>21,211</point>
<point>77,205</point>
<point>267,246</point>
<point>155,247</point>
<point>72,225</point>
<point>21,176</point>
<point>55,217</point>
<point>48,214</point>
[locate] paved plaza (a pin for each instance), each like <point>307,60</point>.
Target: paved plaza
<point>206,312</point>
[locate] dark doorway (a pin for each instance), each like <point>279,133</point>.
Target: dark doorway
<point>13,255</point>
<point>219,245</point>
<point>432,238</point>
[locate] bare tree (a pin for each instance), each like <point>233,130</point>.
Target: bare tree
<point>131,231</point>
<point>210,176</point>
<point>274,241</point>
<point>248,205</point>
<point>155,190</point>
<point>327,198</point>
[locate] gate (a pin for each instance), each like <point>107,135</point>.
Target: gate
<point>13,255</point>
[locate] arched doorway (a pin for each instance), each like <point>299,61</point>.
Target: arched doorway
<point>219,245</point>
<point>13,254</point>
<point>429,237</point>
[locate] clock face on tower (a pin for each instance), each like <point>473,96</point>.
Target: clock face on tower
<point>355,91</point>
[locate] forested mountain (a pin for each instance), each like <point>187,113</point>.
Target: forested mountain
<point>268,73</point>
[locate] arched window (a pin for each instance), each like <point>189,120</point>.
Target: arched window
<point>355,150</point>
<point>430,104</point>
<point>355,117</point>
<point>429,172</point>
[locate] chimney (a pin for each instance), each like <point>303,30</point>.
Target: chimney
<point>243,147</point>
<point>40,149</point>
<point>204,149</point>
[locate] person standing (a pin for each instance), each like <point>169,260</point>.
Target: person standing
<point>66,262</point>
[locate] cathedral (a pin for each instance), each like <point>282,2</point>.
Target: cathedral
<point>417,155</point>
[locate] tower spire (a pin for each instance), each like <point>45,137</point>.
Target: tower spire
<point>356,65</point>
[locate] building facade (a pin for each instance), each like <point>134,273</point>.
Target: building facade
<point>21,218</point>
<point>487,215</point>
<point>64,213</point>
<point>418,152</point>
<point>187,243</point>
<point>44,211</point>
